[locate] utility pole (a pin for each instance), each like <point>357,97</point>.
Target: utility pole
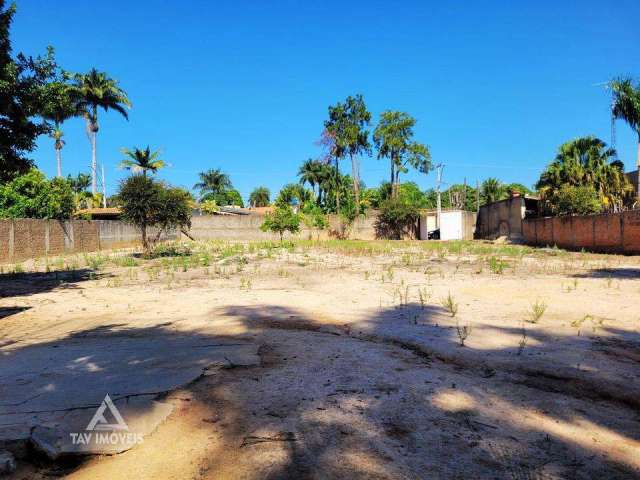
<point>439,168</point>
<point>104,189</point>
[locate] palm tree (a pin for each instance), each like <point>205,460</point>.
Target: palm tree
<point>58,107</point>
<point>90,91</point>
<point>586,162</point>
<point>142,160</point>
<point>260,197</point>
<point>213,181</point>
<point>492,190</point>
<point>310,172</point>
<point>626,106</point>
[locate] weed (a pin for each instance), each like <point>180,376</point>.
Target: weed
<point>463,331</point>
<point>496,265</point>
<point>523,340</point>
<point>537,311</point>
<point>424,295</point>
<point>450,304</point>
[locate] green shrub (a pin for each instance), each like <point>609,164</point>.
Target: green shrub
<point>396,219</point>
<point>33,196</point>
<point>281,220</point>
<point>581,200</point>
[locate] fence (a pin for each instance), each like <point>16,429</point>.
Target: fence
<point>612,233</point>
<point>22,239</point>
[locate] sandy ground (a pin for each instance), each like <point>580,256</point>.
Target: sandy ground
<point>362,374</point>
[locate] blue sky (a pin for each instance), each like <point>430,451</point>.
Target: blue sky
<point>495,86</point>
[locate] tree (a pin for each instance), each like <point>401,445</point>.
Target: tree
<point>585,162</point>
<point>260,197</point>
<point>310,172</point>
<point>95,90</point>
<point>80,182</point>
<point>281,220</point>
<point>492,190</point>
<point>393,137</point>
<point>147,203</point>
<point>33,196</point>
<point>142,161</point>
<point>577,200</point>
<point>293,193</point>
<point>213,181</point>
<point>626,106</point>
<point>347,122</point>
<point>22,81</point>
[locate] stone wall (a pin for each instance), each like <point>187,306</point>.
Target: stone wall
<point>247,227</point>
<point>612,233</point>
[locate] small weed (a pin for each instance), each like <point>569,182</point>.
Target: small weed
<point>450,305</point>
<point>497,265</point>
<point>537,311</point>
<point>463,331</point>
<point>523,340</point>
<point>424,295</point>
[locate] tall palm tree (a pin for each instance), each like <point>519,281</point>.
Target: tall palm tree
<point>260,197</point>
<point>142,160</point>
<point>626,106</point>
<point>213,181</point>
<point>310,172</point>
<point>492,190</point>
<point>58,107</point>
<point>95,90</point>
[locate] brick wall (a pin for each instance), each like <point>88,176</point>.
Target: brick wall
<point>615,233</point>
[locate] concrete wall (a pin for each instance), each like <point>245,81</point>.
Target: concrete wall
<point>247,227</point>
<point>503,218</point>
<point>22,239</point>
<point>612,233</point>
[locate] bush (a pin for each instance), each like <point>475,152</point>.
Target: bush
<point>147,203</point>
<point>209,207</point>
<point>281,220</point>
<point>171,249</point>
<point>33,196</point>
<point>396,219</point>
<point>570,200</point>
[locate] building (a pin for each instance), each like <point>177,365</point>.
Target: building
<point>504,218</point>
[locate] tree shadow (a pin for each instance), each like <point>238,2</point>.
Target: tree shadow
<point>618,273</point>
<point>32,283</point>
<point>428,415</point>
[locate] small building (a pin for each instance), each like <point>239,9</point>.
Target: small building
<point>504,218</point>
<point>454,224</point>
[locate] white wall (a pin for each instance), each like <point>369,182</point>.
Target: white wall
<point>451,225</point>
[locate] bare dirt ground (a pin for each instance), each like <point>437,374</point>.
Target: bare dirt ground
<point>362,373</point>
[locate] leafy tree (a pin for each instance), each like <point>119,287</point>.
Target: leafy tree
<point>95,90</point>
<point>213,181</point>
<point>626,106</point>
<point>518,187</point>
<point>22,83</point>
<point>313,217</point>
<point>396,219</point>
<point>142,161</point>
<point>233,197</point>
<point>209,207</point>
<point>585,162</point>
<point>147,203</point>
<point>371,198</point>
<point>346,124</point>
<point>577,200</point>
<point>280,221</point>
<point>33,196</point>
<point>80,182</point>
<point>393,137</point>
<point>260,197</point>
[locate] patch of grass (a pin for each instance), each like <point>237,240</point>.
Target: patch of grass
<point>497,265</point>
<point>450,305</point>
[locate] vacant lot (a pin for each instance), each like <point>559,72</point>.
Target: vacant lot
<point>362,372</point>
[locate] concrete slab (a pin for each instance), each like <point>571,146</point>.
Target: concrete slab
<point>48,389</point>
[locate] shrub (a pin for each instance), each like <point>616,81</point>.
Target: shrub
<point>209,207</point>
<point>396,219</point>
<point>281,220</point>
<point>581,200</point>
<point>33,196</point>
<point>147,203</point>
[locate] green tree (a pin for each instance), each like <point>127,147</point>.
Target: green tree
<point>626,106</point>
<point>492,190</point>
<point>281,220</point>
<point>293,193</point>
<point>346,124</point>
<point>91,91</point>
<point>577,200</point>
<point>22,84</point>
<point>148,203</point>
<point>393,137</point>
<point>33,196</point>
<point>142,161</point>
<point>260,197</point>
<point>311,172</point>
<point>585,162</point>
<point>80,182</point>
